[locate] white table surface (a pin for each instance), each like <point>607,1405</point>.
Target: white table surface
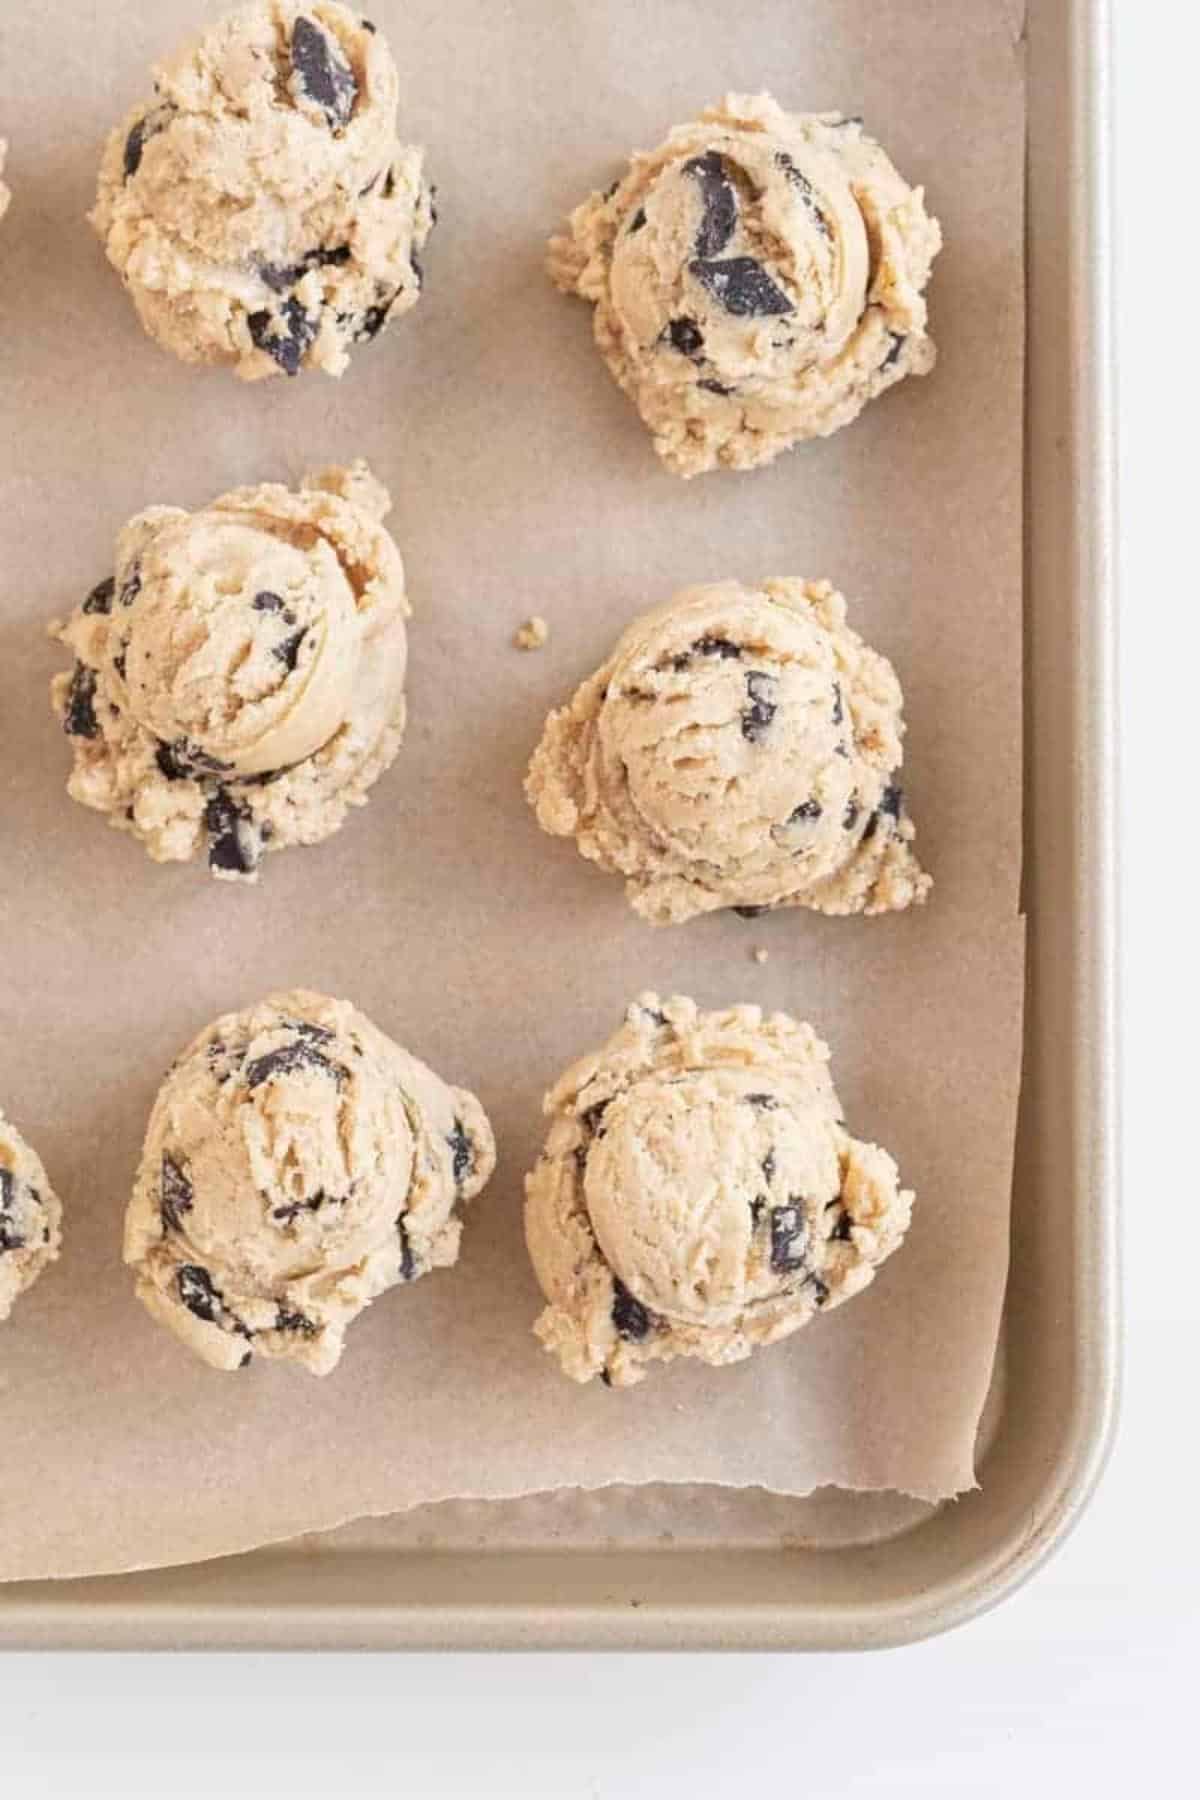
<point>1088,1678</point>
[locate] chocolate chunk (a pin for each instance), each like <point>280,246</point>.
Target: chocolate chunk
<point>713,387</point>
<point>637,221</point>
<point>758,1207</point>
<point>462,1151</point>
<point>286,1214</point>
<point>764,1102</point>
<point>280,277</point>
<point>807,192</point>
<point>820,1289</point>
<point>891,801</point>
<point>415,264</point>
<point>131,587</point>
<point>749,912</point>
<point>408,1262</point>
<point>789,1235</point>
<point>325,75</point>
<point>101,597</point>
<point>375,318</point>
<point>176,1193</point>
<point>140,135</point>
<point>742,286</point>
<point>266,601</point>
<point>232,841</point>
<point>11,1236</point>
<point>433,211</point>
<point>842,1230</point>
<point>686,336</point>
<point>301,1053</point>
<point>295,1321</point>
<point>198,1293</point>
<point>285,335</point>
<point>723,647</point>
<point>181,760</point>
<point>768,1167</point>
<point>850,816</point>
<point>720,203</point>
<point>870,828</point>
<point>389,182</point>
<point>757,716</point>
<point>839,711</point>
<point>652,1013</point>
<point>368,26</point>
<point>611,189</point>
<point>805,812</point>
<point>79,719</point>
<point>288,652</point>
<point>118,663</point>
<point>628,1315</point>
<point>898,342</point>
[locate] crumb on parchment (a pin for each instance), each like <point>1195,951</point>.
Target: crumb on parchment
<point>760,954</point>
<point>532,634</point>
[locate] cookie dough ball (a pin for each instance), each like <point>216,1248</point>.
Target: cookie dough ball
<point>239,679</point>
<point>30,1217</point>
<point>297,1164</point>
<point>699,1195</point>
<point>740,748</point>
<point>756,281</point>
<point>259,206</point>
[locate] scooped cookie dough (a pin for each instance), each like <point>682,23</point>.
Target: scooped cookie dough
<point>239,680</point>
<point>259,207</point>
<point>699,1195</point>
<point>297,1163</point>
<point>739,748</point>
<point>757,279</point>
<point>30,1217</point>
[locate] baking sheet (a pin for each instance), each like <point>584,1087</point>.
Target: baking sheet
<point>523,484</point>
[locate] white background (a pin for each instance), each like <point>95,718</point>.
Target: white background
<point>1087,1679</point>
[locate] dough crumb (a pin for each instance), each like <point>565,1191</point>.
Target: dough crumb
<point>761,955</point>
<point>532,634</point>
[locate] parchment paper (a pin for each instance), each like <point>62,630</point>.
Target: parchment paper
<point>524,483</point>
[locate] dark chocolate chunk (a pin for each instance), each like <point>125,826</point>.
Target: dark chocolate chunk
<point>462,1151</point>
<point>325,75</point>
<point>820,1289</point>
<point>807,192</point>
<point>389,182</point>
<point>375,318</point>
<point>742,286</point>
<point>768,1167</point>
<point>198,1293</point>
<point>131,587</point>
<point>637,221</point>
<point>279,277</point>
<point>841,1231</point>
<point>433,211</point>
<point>182,760</point>
<point>898,342</point>
<point>652,1012</point>
<point>850,816</point>
<point>295,1321</point>
<point>140,136</point>
<point>789,1236</point>
<point>79,718</point>
<point>611,189</point>
<point>118,663</point>
<point>891,801</point>
<point>629,1315</point>
<point>725,648</point>
<point>719,221</point>
<point>285,335</point>
<point>286,1214</point>
<point>749,912</point>
<point>288,652</point>
<point>367,25</point>
<point>11,1236</point>
<point>266,601</point>
<point>757,716</point>
<point>870,828</point>
<point>806,811</point>
<point>408,1262</point>
<point>758,1207</point>
<point>415,264</point>
<point>713,387</point>
<point>606,1378</point>
<point>839,710</point>
<point>686,336</point>
<point>101,597</point>
<point>176,1193</point>
<point>232,841</point>
<point>764,1102</point>
<point>301,1053</point>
